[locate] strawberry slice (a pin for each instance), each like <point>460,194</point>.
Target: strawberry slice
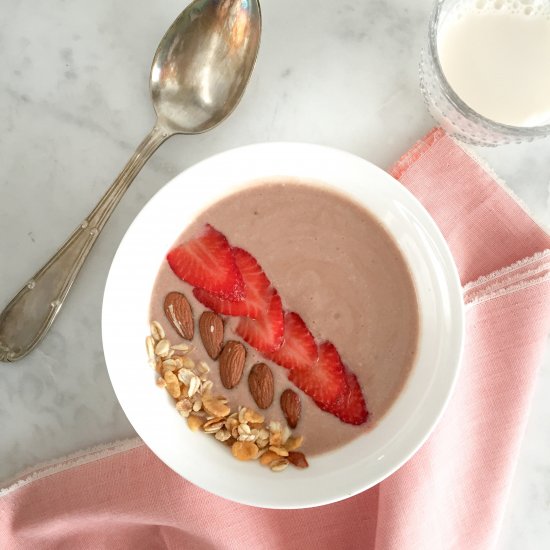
<point>257,290</point>
<point>207,262</point>
<point>266,332</point>
<point>349,406</point>
<point>325,379</point>
<point>298,350</point>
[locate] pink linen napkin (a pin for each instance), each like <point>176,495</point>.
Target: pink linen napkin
<point>450,495</point>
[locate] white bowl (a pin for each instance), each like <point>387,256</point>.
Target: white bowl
<point>357,465</point>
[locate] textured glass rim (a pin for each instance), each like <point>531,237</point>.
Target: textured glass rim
<point>459,104</point>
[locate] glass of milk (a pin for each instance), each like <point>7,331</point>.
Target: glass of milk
<point>485,73</point>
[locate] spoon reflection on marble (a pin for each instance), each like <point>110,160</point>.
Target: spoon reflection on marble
<point>199,73</point>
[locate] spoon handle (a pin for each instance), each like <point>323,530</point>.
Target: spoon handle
<point>28,317</point>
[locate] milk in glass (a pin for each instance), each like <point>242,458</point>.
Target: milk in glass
<point>495,54</point>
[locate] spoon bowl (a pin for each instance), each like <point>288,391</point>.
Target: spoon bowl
<point>199,73</point>
<point>203,63</point>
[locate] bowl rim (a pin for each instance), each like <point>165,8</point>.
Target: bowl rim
<point>455,297</point>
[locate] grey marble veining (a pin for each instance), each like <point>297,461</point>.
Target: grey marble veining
<point>74,103</point>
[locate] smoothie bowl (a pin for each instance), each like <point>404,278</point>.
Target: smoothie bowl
<point>302,319</point>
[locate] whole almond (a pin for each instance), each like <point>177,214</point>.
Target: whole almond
<point>261,385</point>
<point>298,459</point>
<point>291,407</point>
<point>232,360</point>
<point>211,331</point>
<point>179,313</point>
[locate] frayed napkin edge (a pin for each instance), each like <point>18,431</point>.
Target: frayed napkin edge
<point>520,275</point>
<point>73,460</point>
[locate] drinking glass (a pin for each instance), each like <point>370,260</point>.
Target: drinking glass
<point>448,109</point>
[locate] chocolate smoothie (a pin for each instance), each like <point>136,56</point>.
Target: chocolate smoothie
<point>333,263</point>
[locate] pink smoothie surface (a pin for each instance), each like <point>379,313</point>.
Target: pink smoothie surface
<point>333,263</point>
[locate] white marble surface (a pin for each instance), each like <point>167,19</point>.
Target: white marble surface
<point>74,103</point>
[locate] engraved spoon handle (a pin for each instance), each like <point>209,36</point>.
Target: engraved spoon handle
<point>28,317</point>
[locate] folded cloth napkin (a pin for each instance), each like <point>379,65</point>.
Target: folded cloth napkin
<point>450,495</point>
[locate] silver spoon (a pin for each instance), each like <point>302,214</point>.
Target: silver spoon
<point>199,73</point>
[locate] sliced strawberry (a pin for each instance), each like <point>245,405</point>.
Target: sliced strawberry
<point>265,333</point>
<point>299,350</point>
<point>349,406</point>
<point>207,262</point>
<point>257,290</point>
<point>325,379</point>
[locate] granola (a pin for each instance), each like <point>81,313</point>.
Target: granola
<point>245,430</point>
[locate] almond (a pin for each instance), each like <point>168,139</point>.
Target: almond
<point>298,459</point>
<point>232,360</point>
<point>178,312</point>
<point>211,330</point>
<point>291,407</point>
<point>261,385</point>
